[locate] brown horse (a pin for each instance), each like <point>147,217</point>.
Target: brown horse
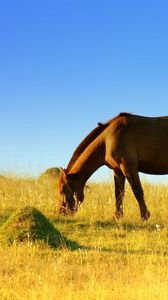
<point>128,144</point>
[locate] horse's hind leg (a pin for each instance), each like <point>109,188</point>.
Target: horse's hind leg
<point>119,181</point>
<point>131,173</point>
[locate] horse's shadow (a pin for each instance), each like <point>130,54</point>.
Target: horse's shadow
<point>73,245</point>
<point>127,226</point>
<point>110,224</point>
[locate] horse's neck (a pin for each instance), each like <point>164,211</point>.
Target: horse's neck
<point>90,160</point>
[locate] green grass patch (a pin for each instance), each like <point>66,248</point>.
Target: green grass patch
<point>29,224</point>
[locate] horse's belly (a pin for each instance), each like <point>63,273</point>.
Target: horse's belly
<point>155,168</point>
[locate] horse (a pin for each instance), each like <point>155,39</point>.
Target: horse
<point>127,144</point>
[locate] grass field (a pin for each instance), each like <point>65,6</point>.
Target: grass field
<point>108,259</point>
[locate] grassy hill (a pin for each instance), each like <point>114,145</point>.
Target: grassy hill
<point>108,259</point>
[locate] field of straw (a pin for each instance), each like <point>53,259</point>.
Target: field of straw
<point>109,259</point>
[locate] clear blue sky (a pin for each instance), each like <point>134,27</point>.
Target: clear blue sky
<point>67,64</point>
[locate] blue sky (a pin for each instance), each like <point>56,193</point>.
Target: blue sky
<point>67,64</point>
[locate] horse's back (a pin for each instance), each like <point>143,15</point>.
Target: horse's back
<point>143,140</point>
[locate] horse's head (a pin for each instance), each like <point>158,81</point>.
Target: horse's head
<point>71,192</point>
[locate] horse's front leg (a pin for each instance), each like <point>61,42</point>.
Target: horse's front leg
<point>119,181</point>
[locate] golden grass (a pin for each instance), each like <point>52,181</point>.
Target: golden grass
<point>109,260</point>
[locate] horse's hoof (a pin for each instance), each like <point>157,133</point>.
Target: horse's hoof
<point>146,216</point>
<point>118,215</point>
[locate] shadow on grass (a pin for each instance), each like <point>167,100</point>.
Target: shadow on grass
<point>109,224</point>
<point>72,245</point>
<point>65,220</point>
<point>29,225</point>
<point>129,226</point>
<point>42,230</point>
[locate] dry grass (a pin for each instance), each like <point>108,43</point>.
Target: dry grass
<point>108,260</point>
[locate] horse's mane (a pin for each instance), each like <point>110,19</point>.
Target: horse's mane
<point>90,138</point>
<point>87,140</point>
